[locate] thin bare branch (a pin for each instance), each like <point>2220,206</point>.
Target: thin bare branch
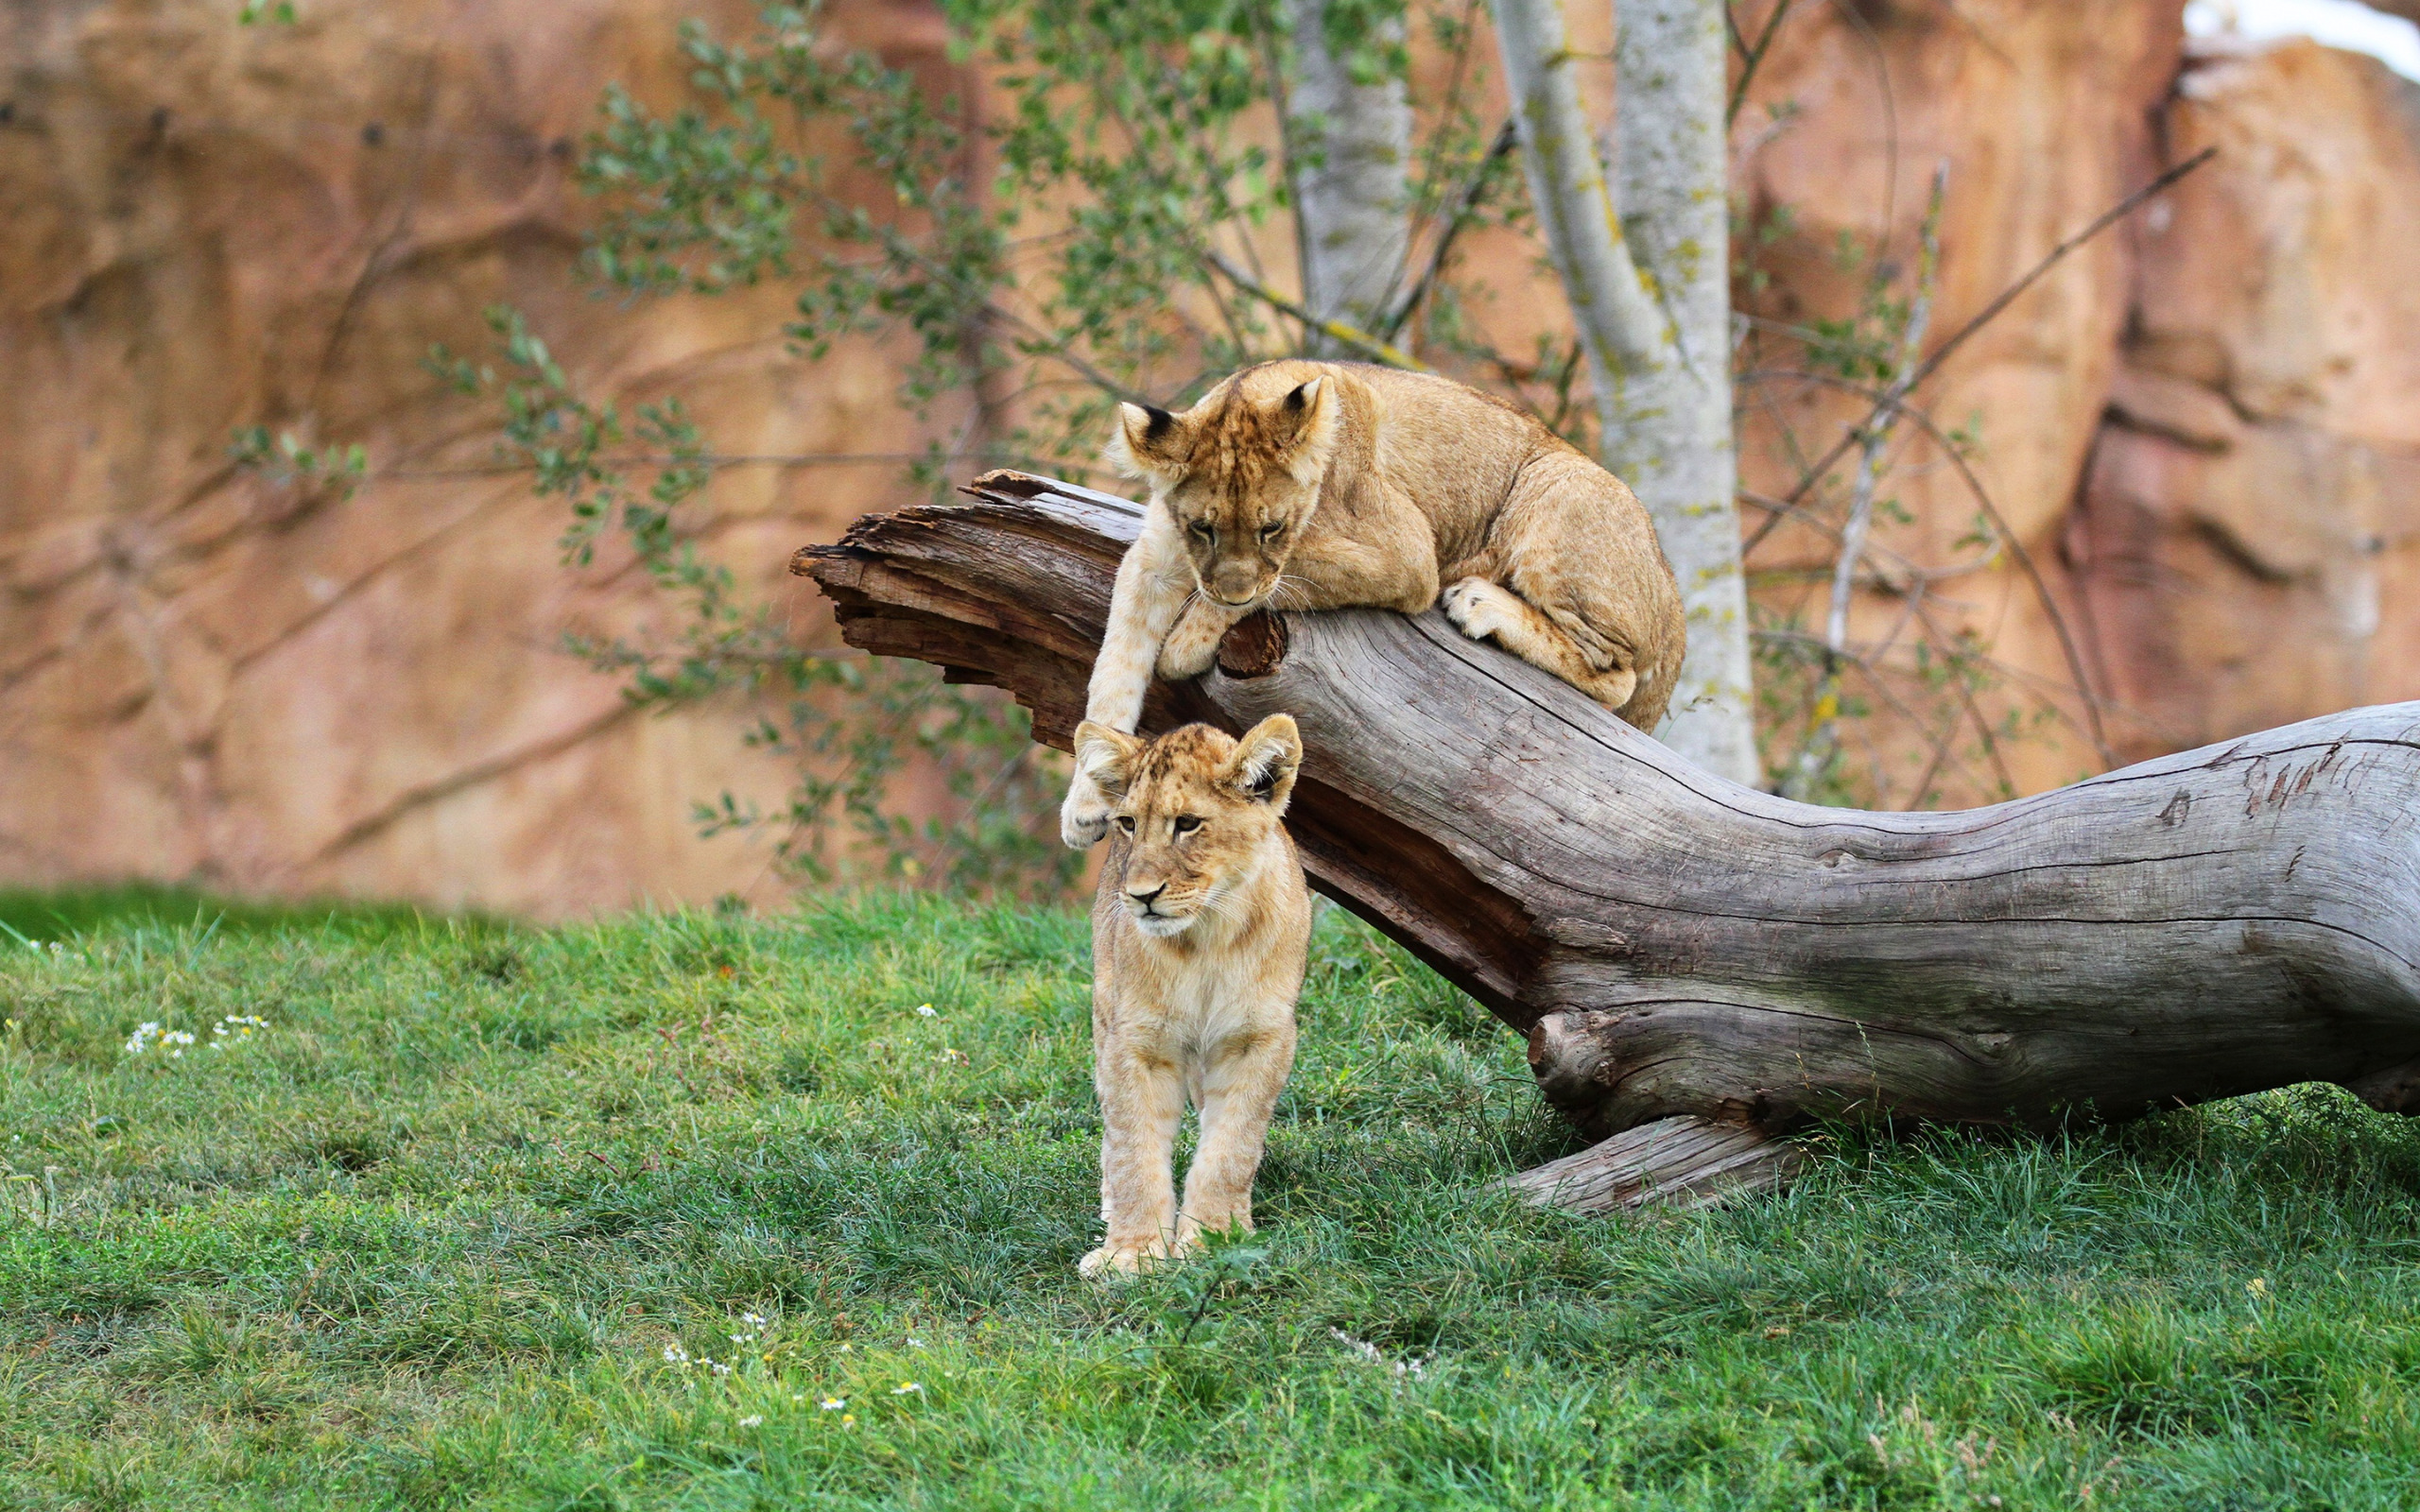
<point>1821,746</point>
<point>1911,338</point>
<point>1751,55</point>
<point>1872,672</point>
<point>1974,710</point>
<point>1337,330</point>
<point>1904,570</point>
<point>1783,508</point>
<point>1982,317</point>
<point>767,459</point>
<point>1465,202</point>
<point>2024,560</point>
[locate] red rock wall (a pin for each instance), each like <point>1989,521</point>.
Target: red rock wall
<point>2042,117</point>
<point>2201,424</point>
<point>2249,534</point>
<point>205,676</point>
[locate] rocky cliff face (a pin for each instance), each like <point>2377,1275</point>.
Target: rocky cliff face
<point>2247,535</point>
<point>2202,426</point>
<point>2038,118</point>
<point>206,675</point>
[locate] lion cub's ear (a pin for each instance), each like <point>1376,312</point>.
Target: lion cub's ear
<point>1265,762</point>
<point>1150,445</point>
<point>1303,424</point>
<point>1106,756</point>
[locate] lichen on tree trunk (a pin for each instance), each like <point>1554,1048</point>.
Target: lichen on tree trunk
<point>1643,260</point>
<point>1351,142</point>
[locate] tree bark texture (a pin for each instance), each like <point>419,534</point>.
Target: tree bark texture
<point>1648,276</point>
<point>1353,190</point>
<point>1677,947</point>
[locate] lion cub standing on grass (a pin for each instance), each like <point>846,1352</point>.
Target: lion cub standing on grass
<point>1330,485</point>
<point>1200,931</point>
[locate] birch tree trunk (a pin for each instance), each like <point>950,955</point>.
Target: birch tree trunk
<point>1670,435</point>
<point>1657,339</point>
<point>1353,194</point>
<point>1681,951</point>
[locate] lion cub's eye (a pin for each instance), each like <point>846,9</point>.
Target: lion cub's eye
<point>1186,823</point>
<point>1273,530</point>
<point>1126,822</point>
<point>1202,531</point>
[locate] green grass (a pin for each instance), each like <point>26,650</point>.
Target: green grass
<point>425,1241</point>
<point>48,916</point>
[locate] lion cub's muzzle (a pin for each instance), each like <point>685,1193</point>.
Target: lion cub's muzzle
<point>1241,587</point>
<point>1158,913</point>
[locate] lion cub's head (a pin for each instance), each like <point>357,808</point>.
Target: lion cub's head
<point>1197,809</point>
<point>1240,475</point>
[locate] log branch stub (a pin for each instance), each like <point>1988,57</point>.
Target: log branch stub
<point>2222,921</point>
<point>1676,1162</point>
<point>1254,648</point>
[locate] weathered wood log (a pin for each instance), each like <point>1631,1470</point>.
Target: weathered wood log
<point>2229,919</point>
<point>1683,1161</point>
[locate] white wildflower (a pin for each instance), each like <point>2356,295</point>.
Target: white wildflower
<point>1414,1366</point>
<point>718,1369</point>
<point>833,1404</point>
<point>752,1420</point>
<point>236,1028</point>
<point>924,1010</point>
<point>904,1387</point>
<point>752,1317</point>
<point>915,1344</point>
<point>149,1033</point>
<point>674,1354</point>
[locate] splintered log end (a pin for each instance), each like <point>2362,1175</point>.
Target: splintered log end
<point>1676,1162</point>
<point>1008,483</point>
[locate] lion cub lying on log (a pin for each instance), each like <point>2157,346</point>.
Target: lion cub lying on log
<point>1326,485</point>
<point>1199,930</point>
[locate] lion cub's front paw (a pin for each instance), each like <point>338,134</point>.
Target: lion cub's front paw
<point>1182,663</point>
<point>1083,818</point>
<point>1193,644</point>
<point>1480,608</point>
<point>1115,1262</point>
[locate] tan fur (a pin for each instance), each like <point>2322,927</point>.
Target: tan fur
<point>1199,941</point>
<point>1315,486</point>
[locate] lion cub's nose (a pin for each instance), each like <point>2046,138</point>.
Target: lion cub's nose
<point>1147,899</point>
<point>1234,587</point>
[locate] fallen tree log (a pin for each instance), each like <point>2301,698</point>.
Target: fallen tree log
<point>1677,947</point>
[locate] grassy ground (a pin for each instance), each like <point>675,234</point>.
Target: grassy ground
<point>443,1233</point>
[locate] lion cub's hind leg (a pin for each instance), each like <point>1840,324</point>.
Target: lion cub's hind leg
<point>1485,610</point>
<point>1237,1090</point>
<point>1573,582</point>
